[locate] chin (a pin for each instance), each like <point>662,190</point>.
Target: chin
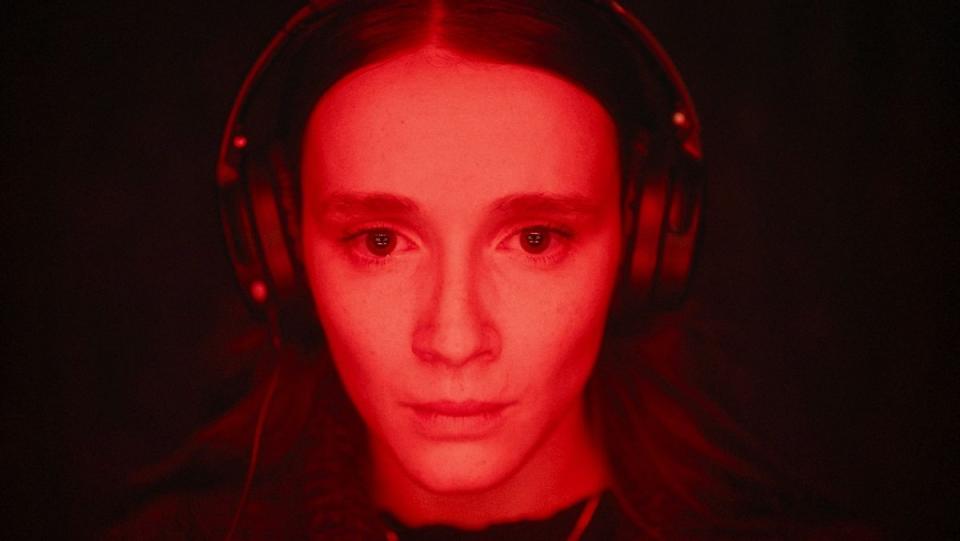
<point>461,467</point>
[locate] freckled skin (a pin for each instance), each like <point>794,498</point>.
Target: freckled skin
<point>460,309</point>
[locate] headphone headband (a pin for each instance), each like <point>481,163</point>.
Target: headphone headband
<point>666,208</point>
<point>233,139</point>
<point>684,118</point>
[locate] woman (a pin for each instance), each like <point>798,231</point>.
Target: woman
<point>462,203</point>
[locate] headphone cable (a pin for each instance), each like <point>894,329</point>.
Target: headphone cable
<point>254,453</point>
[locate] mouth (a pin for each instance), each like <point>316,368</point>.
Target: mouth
<point>450,408</point>
<point>447,420</point>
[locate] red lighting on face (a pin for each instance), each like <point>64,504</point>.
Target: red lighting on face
<point>457,421</point>
<point>461,237</point>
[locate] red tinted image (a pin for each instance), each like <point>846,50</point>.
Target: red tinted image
<point>461,238</point>
<point>466,190</point>
<point>440,204</point>
<point>460,293</point>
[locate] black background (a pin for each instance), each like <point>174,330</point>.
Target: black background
<point>830,139</point>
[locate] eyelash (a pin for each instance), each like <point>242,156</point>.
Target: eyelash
<point>560,233</point>
<point>351,238</point>
<point>553,255</point>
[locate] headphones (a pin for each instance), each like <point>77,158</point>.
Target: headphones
<point>257,192</point>
<point>258,197</point>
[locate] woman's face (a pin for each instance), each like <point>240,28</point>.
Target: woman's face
<point>461,237</point>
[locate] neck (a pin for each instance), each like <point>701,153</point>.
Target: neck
<point>568,466</point>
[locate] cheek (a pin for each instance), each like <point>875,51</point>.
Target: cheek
<point>555,349</point>
<point>555,323</point>
<point>358,308</point>
<point>365,323</point>
<point>573,295</point>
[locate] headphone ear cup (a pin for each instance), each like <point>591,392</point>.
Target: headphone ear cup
<point>239,230</point>
<point>666,228</point>
<point>649,209</point>
<point>681,231</point>
<point>274,243</point>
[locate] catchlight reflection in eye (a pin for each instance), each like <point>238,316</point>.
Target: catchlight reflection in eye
<point>535,241</point>
<point>381,242</point>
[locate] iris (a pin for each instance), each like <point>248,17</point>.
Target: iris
<point>381,242</point>
<point>535,241</point>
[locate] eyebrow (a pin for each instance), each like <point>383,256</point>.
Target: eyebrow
<point>546,203</point>
<point>347,205</point>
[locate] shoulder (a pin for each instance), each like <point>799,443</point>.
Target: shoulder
<point>183,515</point>
<point>208,514</point>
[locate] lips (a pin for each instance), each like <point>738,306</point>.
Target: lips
<point>446,420</point>
<point>450,408</point>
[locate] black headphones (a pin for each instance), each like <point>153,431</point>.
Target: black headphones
<point>257,191</point>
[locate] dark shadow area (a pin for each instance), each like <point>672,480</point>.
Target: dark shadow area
<point>830,139</point>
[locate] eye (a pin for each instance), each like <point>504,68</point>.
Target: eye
<point>375,245</point>
<point>535,240</point>
<point>381,242</point>
<point>541,244</point>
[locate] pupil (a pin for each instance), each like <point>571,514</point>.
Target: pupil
<point>381,242</point>
<point>535,241</point>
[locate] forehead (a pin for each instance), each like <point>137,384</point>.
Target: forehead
<point>430,121</point>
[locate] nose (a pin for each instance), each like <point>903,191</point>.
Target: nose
<point>454,328</point>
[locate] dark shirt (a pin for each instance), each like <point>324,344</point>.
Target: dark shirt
<point>604,525</point>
